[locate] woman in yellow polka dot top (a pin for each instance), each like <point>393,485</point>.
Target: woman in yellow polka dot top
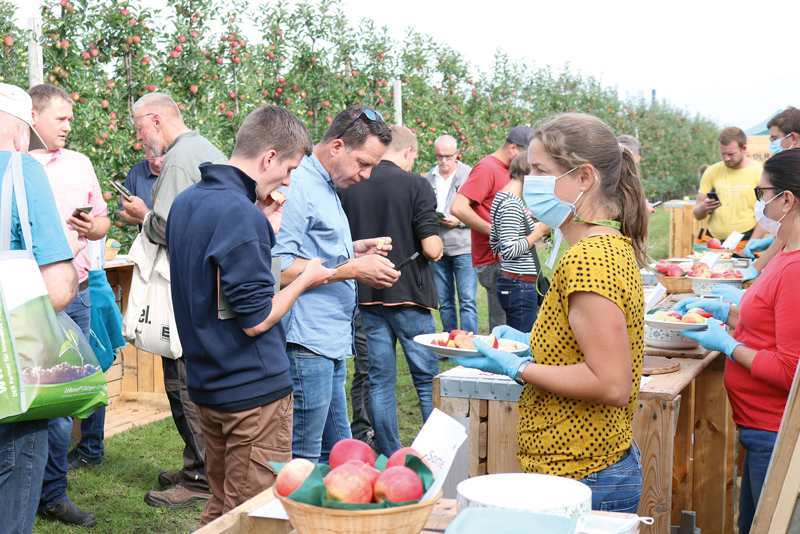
<point>582,375</point>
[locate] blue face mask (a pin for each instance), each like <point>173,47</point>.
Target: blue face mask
<point>539,193</point>
<point>775,146</point>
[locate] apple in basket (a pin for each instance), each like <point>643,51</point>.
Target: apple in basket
<point>399,457</point>
<point>348,483</point>
<point>368,470</point>
<point>675,270</point>
<point>292,476</point>
<point>351,449</point>
<point>662,266</point>
<point>398,484</point>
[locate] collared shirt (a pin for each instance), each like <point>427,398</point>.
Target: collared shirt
<point>74,184</point>
<point>442,187</point>
<point>140,181</point>
<point>315,226</point>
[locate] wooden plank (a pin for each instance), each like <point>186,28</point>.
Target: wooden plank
<point>237,521</point>
<point>120,420</point>
<point>474,434</point>
<point>653,425</point>
<point>688,228</point>
<point>483,433</point>
<point>114,372</point>
<point>130,370</point>
<point>711,468</point>
<point>145,362</point>
<point>114,388</point>
<point>682,465</point>
<point>437,393</point>
<point>501,448</point>
<point>455,406</point>
<point>158,375</point>
<point>783,456</point>
<point>668,386</point>
<point>483,408</point>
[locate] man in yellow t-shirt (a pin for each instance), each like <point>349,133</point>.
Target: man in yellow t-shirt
<point>733,180</point>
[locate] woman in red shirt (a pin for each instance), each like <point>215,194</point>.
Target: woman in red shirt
<point>765,345</point>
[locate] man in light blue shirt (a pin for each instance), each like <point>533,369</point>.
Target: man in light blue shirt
<point>319,327</point>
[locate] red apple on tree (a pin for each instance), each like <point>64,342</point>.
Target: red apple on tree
<point>8,41</point>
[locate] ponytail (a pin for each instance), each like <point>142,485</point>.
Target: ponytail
<point>634,214</point>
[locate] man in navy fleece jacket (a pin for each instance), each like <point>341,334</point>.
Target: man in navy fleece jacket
<point>219,234</point>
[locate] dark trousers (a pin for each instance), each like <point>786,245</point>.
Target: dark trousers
<point>359,392</point>
<point>184,412</point>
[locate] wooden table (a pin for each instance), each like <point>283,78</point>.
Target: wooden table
<point>682,424</point>
<point>238,522</point>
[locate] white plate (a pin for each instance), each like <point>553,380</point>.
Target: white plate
<point>669,325</point>
<point>454,352</point>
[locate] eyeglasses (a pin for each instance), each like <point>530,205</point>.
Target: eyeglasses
<point>774,138</point>
<point>371,114</point>
<point>759,191</point>
<point>444,157</point>
<point>133,119</point>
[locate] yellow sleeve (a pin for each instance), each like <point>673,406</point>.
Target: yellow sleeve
<point>707,181</point>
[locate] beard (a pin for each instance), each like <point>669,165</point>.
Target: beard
<point>156,147</point>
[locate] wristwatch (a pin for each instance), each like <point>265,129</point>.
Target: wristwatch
<point>518,376</point>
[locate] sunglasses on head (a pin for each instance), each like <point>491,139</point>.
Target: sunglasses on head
<point>371,114</point>
<point>759,191</point>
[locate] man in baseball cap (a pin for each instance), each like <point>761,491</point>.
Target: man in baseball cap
<point>53,249</point>
<point>17,103</point>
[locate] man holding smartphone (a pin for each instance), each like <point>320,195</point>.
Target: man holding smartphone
<point>139,181</point>
<point>81,206</point>
<point>402,311</point>
<point>732,181</point>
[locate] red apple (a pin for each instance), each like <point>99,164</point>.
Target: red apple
<point>351,449</point>
<point>348,483</point>
<point>714,243</point>
<point>104,103</point>
<point>493,342</point>
<point>675,270</point>
<point>398,484</point>
<point>662,266</point>
<point>292,476</point>
<point>193,89</point>
<point>398,458</point>
<point>693,318</point>
<point>454,333</point>
<point>700,266</point>
<point>717,275</point>
<point>464,341</point>
<point>8,40</point>
<point>700,311</point>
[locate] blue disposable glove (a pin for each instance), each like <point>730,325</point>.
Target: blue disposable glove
<point>715,338</point>
<point>750,273</point>
<point>728,293</point>
<point>499,362</point>
<point>719,310</point>
<point>757,245</point>
<point>506,332</point>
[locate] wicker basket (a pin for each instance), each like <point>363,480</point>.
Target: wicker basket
<point>111,253</point>
<point>308,519</point>
<point>675,284</point>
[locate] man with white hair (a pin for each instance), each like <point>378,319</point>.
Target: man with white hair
<point>454,271</point>
<point>159,127</point>
<point>53,248</point>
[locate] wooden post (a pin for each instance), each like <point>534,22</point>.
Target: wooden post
<point>397,97</point>
<point>35,61</point>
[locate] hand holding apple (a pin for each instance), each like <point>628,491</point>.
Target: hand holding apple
<point>719,310</point>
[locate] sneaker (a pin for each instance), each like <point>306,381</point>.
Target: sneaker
<point>169,478</point>
<point>76,460</point>
<point>67,512</point>
<point>176,498</point>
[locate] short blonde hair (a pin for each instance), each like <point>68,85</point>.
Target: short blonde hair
<point>44,94</point>
<point>402,138</point>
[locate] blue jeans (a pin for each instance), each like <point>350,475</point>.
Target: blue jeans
<point>92,434</point>
<point>54,486</point>
<point>758,446</point>
<point>520,302</point>
<point>618,487</point>
<point>385,325</point>
<point>458,269</point>
<point>320,403</point>
<point>23,454</point>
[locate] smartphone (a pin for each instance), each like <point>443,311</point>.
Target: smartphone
<point>122,190</point>
<point>439,215</point>
<point>336,262</point>
<point>81,209</point>
<point>713,195</point>
<point>656,203</point>
<point>406,261</point>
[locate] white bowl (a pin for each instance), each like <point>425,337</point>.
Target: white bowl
<point>704,286</point>
<point>667,339</point>
<point>542,494</point>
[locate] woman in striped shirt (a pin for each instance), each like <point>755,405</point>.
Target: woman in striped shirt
<point>512,237</point>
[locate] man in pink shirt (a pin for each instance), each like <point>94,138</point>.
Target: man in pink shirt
<point>74,185</point>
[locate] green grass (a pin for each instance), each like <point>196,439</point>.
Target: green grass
<point>115,492</point>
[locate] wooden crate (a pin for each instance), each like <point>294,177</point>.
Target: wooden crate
<point>683,227</point>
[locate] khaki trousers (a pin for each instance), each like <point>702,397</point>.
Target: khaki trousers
<point>238,449</point>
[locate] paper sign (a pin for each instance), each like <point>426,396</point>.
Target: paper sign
<point>438,442</point>
<point>653,297</point>
<point>710,259</point>
<point>273,509</point>
<point>97,254</point>
<point>732,241</point>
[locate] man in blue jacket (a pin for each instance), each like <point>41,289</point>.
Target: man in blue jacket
<point>219,235</point>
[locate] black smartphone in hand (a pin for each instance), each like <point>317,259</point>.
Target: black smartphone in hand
<point>713,195</point>
<point>122,190</point>
<point>335,263</point>
<point>406,261</point>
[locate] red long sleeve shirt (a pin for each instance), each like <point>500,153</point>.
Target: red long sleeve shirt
<point>768,323</point>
